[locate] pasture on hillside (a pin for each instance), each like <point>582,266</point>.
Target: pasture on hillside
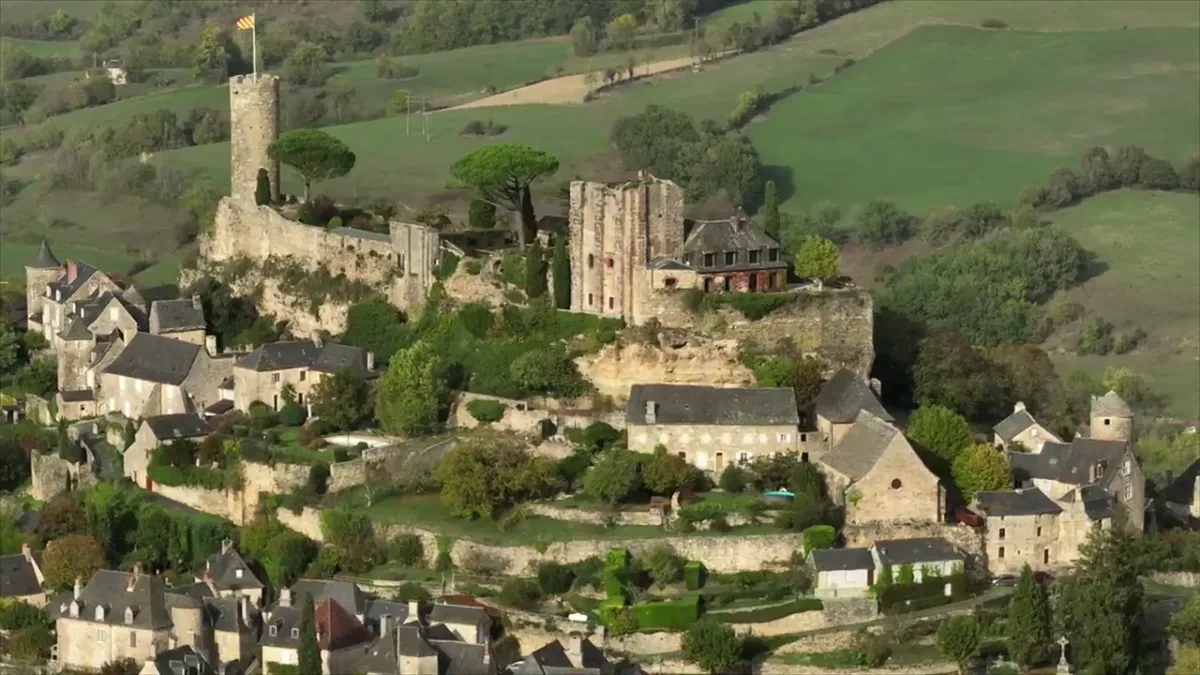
<point>1147,243</point>
<point>952,115</point>
<point>42,48</point>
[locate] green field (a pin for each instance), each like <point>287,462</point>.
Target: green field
<point>951,115</point>
<point>1150,243</point>
<point>42,48</point>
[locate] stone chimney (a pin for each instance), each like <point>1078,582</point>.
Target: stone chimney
<point>414,611</point>
<point>651,412</point>
<point>370,361</point>
<point>210,345</point>
<point>78,587</point>
<point>72,271</point>
<point>226,546</point>
<point>285,597</point>
<point>318,339</point>
<point>1018,406</point>
<point>196,304</point>
<point>385,622</point>
<point>244,609</point>
<point>27,552</point>
<point>575,649</point>
<point>1196,498</point>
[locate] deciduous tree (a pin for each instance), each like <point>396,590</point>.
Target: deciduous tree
<point>211,61</point>
<point>502,173</point>
<point>713,646</point>
<point>484,474</point>
<point>664,473</point>
<point>981,467</point>
<point>939,431</point>
<point>75,555</point>
<point>341,399</point>
<point>411,392</point>
<point>314,154</point>
<point>817,259</point>
<point>958,638</point>
<point>613,477</point>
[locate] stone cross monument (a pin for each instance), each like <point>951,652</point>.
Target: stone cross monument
<point>1063,668</point>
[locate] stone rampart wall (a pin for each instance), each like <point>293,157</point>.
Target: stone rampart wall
<point>228,504</point>
<point>693,360</point>
<point>51,474</point>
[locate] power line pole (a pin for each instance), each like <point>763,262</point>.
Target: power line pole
<point>407,114</point>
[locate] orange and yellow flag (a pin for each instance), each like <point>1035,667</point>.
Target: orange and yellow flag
<point>246,23</point>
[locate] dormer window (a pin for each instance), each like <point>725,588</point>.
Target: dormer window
<point>75,606</point>
<point>296,633</point>
<point>772,255</point>
<point>273,630</point>
<point>731,257</point>
<point>100,613</point>
<point>238,574</point>
<point>128,615</point>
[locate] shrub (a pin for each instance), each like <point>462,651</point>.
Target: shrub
<point>733,479</point>
<point>484,564</point>
<point>292,415</point>
<point>31,643</point>
<point>443,562</point>
<point>618,618</point>
<point>674,615</point>
<point>318,211</point>
<point>819,537</point>
<point>995,24</point>
<point>486,410</point>
<point>1158,174</point>
<point>335,222</point>
<point>521,593</point>
<point>555,578</point>
<point>408,592</point>
<point>694,575</point>
<point>15,615</point>
<point>407,550</point>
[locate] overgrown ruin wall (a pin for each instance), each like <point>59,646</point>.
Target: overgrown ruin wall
<point>694,360</point>
<point>239,505</point>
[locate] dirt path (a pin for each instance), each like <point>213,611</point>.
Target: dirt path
<point>566,89</point>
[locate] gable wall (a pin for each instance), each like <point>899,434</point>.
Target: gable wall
<point>919,497</point>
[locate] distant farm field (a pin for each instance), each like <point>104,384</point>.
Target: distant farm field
<point>42,48</point>
<point>952,115</point>
<point>1149,246</point>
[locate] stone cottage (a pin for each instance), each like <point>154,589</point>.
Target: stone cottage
<point>153,433</point>
<point>1086,471</point>
<point>577,657</point>
<point>262,374</point>
<point>879,477</point>
<point>712,427</point>
<point>157,375</point>
<point>1021,529</point>
<point>851,572</point>
<point>227,575</point>
<point>21,577</point>
<point>1021,428</point>
<point>839,402</point>
<point>1181,496</point>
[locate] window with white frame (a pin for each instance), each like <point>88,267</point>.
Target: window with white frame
<point>743,457</point>
<point>99,635</point>
<point>1127,467</point>
<point>1128,491</point>
<point>783,438</point>
<point>137,385</point>
<point>112,313</point>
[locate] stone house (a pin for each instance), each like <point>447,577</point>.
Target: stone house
<point>156,375</point>
<point>181,319</point>
<point>230,623</point>
<point>227,575</point>
<point>183,660</point>
<point>879,477</point>
<point>712,427</point>
<point>839,402</point>
<point>1181,496</point>
<point>577,657</point>
<point>1020,427</point>
<point>262,374</point>
<point>21,577</point>
<point>1088,472</point>
<point>153,433</point>
<point>1021,528</point>
<point>852,572</point>
<point>733,255</point>
<point>341,613</point>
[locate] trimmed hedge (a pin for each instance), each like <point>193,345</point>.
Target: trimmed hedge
<point>667,615</point>
<point>486,410</point>
<point>615,562</point>
<point>617,558</point>
<point>895,598</point>
<point>769,613</point>
<point>694,575</point>
<point>819,537</point>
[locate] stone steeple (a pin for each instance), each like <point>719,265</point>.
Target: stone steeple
<point>45,259</point>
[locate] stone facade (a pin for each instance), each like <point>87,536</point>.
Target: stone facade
<point>254,119</point>
<point>712,447</point>
<point>50,475</point>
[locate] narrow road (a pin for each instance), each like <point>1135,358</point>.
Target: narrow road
<point>970,603</point>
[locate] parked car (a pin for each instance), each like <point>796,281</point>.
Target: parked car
<point>1005,580</point>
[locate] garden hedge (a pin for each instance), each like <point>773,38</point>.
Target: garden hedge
<point>819,537</point>
<point>667,615</point>
<point>897,597</point>
<point>694,575</point>
<point>769,613</point>
<point>486,410</point>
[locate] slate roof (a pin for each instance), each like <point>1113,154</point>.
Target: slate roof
<point>76,330</point>
<point>173,316</point>
<point>17,576</point>
<point>377,656</point>
<point>921,550</point>
<point>83,272</point>
<point>861,446</point>
<point>667,264</point>
<point>283,620</point>
<point>90,310</point>
<point>461,658</point>
<point>360,234</point>
<point>107,588</point>
<point>77,396</point>
<point>443,613</point>
<point>844,396</point>
<point>223,614</point>
<point>377,608</point>
<point>410,642</point>
<point>1027,502</point>
<point>1110,405</point>
<point>224,568</point>
<point>1182,489</point>
<point>346,593</point>
<point>176,661</point>
<point>1067,462</point>
<point>1014,424</point>
<point>155,358</point>
<point>712,236</point>
<point>330,357</point>
<point>182,425</point>
<point>834,559</point>
<point>44,260</point>
<point>694,404</point>
<point>552,659</point>
<point>220,407</point>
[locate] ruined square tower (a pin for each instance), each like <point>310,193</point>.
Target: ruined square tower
<point>253,126</point>
<point>616,231</point>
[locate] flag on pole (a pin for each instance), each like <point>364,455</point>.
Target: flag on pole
<point>247,23</point>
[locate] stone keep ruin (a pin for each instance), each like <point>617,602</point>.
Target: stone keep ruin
<point>399,265</point>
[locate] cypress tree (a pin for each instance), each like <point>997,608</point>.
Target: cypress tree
<point>310,650</point>
<point>562,273</point>
<point>1101,602</point>
<point>771,211</point>
<point>262,190</point>
<point>535,272</point>
<point>1029,638</point>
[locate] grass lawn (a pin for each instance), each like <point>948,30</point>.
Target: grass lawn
<point>1148,242</point>
<point>291,449</point>
<point>15,255</point>
<point>41,48</point>
<point>428,511</point>
<point>952,115</point>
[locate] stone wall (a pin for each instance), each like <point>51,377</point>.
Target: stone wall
<point>51,474</point>
<point>239,505</point>
<point>792,623</point>
<point>254,124</point>
<point>525,417</point>
<point>597,517</point>
<point>1188,579</point>
<point>967,539</point>
<point>681,359</point>
<point>842,611</point>
<point>228,504</point>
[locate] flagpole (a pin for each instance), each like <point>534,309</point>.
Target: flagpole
<point>254,43</point>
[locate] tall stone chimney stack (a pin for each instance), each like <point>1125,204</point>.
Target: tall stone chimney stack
<point>253,125</point>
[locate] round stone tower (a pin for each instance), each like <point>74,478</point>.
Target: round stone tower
<point>253,125</point>
<point>1111,418</point>
<point>40,272</point>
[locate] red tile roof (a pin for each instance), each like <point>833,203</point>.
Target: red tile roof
<point>337,628</point>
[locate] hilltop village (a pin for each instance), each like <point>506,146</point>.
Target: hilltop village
<point>658,448</point>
